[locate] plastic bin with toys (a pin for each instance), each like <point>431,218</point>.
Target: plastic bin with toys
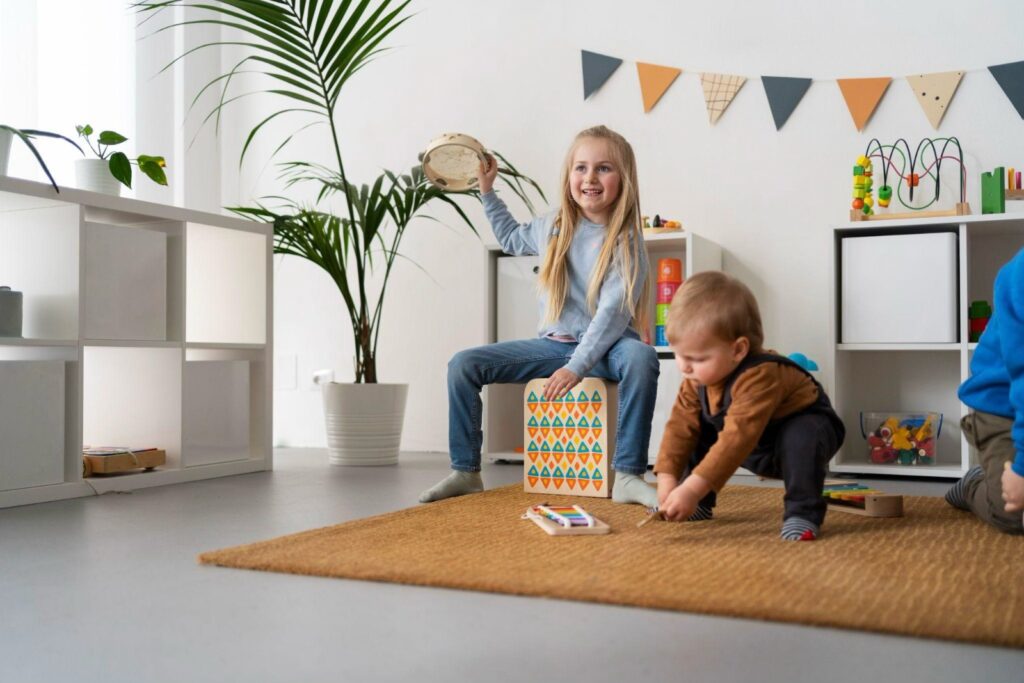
<point>901,438</point>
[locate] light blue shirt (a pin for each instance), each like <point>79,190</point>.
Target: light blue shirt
<point>611,321</point>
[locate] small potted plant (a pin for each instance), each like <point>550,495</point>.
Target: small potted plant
<point>109,170</point>
<point>7,135</point>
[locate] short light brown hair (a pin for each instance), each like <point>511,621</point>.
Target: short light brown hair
<point>715,303</point>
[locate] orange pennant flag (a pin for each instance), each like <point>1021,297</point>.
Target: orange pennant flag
<point>654,81</point>
<point>862,95</point>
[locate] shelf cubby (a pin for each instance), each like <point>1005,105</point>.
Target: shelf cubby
<point>916,377</point>
<point>226,285</point>
<point>132,398</point>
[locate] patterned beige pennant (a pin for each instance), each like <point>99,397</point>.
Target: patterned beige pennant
<point>719,89</point>
<point>935,92</point>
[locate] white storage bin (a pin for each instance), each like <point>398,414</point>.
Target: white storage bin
<point>125,283</point>
<point>31,423</point>
<point>899,289</point>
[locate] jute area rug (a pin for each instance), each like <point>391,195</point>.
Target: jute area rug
<point>935,573</point>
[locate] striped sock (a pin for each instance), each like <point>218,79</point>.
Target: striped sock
<point>701,513</point>
<point>797,529</point>
<point>957,493</point>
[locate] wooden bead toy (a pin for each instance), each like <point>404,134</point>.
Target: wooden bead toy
<point>908,169</point>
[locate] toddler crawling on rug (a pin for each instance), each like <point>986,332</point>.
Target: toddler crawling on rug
<point>740,405</point>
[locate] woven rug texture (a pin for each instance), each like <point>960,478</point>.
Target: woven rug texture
<point>937,572</point>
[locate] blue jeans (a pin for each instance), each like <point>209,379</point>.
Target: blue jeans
<point>630,362</point>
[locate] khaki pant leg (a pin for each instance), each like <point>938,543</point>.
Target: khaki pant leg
<point>990,435</point>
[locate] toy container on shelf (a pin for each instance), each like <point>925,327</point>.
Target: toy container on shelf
<point>895,438</point>
<point>659,336</point>
<point>667,290</point>
<point>670,270</point>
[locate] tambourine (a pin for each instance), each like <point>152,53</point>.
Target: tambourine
<point>452,162</point>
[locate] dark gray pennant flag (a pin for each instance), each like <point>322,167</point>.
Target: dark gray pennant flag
<point>783,95</point>
<point>597,69</point>
<point>1011,79</point>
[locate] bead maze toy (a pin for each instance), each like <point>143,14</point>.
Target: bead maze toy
<point>565,520</point>
<point>570,441</point>
<point>862,500</point>
<point>910,177</point>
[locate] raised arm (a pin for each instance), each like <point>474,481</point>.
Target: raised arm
<point>517,239</point>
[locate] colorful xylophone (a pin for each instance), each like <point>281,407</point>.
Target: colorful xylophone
<point>863,500</point>
<point>561,520</point>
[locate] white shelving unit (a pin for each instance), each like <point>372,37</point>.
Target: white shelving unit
<point>916,377</point>
<point>514,311</point>
<point>144,326</point>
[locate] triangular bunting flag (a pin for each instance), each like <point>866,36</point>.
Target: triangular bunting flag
<point>719,89</point>
<point>1010,78</point>
<point>862,95</point>
<point>934,92</point>
<point>784,94</point>
<point>597,69</point>
<point>654,81</point>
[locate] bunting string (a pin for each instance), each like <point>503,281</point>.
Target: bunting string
<point>933,91</point>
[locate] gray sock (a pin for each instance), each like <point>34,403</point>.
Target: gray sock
<point>798,529</point>
<point>957,494</point>
<point>631,488</point>
<point>457,483</point>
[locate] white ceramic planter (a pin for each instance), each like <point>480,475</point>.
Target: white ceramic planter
<point>94,175</point>
<point>364,422</point>
<point>5,149</point>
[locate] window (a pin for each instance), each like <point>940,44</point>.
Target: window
<point>62,64</point>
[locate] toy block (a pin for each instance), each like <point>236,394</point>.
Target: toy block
<point>993,191</point>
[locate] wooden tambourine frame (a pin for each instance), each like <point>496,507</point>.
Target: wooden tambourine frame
<point>452,162</point>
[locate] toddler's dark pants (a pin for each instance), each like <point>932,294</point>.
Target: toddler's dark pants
<point>797,450</point>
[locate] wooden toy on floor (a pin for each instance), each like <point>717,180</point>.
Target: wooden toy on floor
<point>111,460</point>
<point>862,500</point>
<point>562,520</point>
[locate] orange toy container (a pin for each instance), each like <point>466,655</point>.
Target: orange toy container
<point>670,270</point>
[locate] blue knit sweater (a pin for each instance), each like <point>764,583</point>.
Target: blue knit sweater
<point>996,384</point>
<point>611,321</point>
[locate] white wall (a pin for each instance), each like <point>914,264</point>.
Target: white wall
<point>508,72</point>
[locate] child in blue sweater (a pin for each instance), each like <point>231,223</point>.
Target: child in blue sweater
<point>596,296</point>
<point>994,490</point>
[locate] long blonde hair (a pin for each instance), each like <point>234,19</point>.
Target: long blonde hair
<point>623,243</point>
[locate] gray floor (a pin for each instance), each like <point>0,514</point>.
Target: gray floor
<point>107,589</point>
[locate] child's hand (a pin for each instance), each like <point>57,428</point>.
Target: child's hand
<point>562,381</point>
<point>1013,489</point>
<point>487,174</point>
<point>682,501</point>
<point>666,484</point>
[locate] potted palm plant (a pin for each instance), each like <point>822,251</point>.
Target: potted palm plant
<point>308,50</point>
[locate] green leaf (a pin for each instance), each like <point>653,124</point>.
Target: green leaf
<point>121,168</point>
<point>110,138</point>
<point>154,168</point>
<point>84,130</point>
